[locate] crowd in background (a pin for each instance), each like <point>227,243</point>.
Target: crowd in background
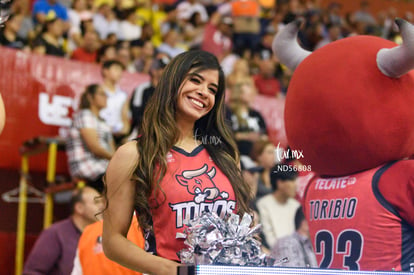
<point>134,31</point>
<point>142,36</point>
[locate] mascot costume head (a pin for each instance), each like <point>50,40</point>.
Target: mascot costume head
<point>350,104</point>
<point>350,110</point>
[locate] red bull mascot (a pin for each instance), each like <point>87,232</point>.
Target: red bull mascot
<point>350,111</point>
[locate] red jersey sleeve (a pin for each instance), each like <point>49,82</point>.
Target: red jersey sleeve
<point>397,187</point>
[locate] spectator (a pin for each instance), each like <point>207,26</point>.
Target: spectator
<point>248,125</point>
<point>90,145</point>
<point>89,48</point>
<point>334,33</point>
<point>297,247</point>
<point>51,36</point>
<point>193,31</point>
<point>240,73</point>
<point>106,53</point>
<point>123,53</point>
<point>128,28</point>
<point>55,249</point>
<point>116,113</point>
<point>264,49</point>
<point>105,21</point>
<point>143,61</point>
<point>264,154</point>
<point>217,36</point>
<point>170,44</point>
<point>90,258</point>
<point>143,92</point>
<point>78,13</point>
<point>364,14</point>
<point>188,8</point>
<point>9,36</point>
<point>246,17</point>
<point>265,81</point>
<point>277,210</point>
<point>27,27</point>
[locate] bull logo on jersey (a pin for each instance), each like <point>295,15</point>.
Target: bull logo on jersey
<point>200,183</point>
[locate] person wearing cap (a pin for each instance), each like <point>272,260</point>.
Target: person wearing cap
<point>143,92</point>
<point>51,35</point>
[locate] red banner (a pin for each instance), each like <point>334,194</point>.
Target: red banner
<point>40,94</point>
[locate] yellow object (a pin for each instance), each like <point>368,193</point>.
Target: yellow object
<point>21,216</point>
<point>34,147</point>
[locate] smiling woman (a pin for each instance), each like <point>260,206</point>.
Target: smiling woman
<point>169,175</point>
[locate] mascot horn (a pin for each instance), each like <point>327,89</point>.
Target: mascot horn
<point>350,110</point>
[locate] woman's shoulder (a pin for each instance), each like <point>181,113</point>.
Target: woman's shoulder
<point>128,150</point>
<point>125,159</point>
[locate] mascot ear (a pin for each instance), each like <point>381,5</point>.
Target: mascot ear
<point>286,47</point>
<point>399,60</point>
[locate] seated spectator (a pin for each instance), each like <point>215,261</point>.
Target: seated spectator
<point>251,174</point>
<point>277,210</point>
<point>90,145</point>
<point>143,92</point>
<point>105,21</point>
<point>217,36</point>
<point>264,154</point>
<point>106,53</point>
<point>77,14</point>
<point>143,61</point>
<point>265,81</point>
<point>297,247</point>
<point>248,125</point>
<point>123,53</point>
<point>170,44</point>
<point>193,31</point>
<point>334,33</point>
<point>240,73</point>
<point>90,258</point>
<point>51,36</point>
<point>89,48</point>
<point>264,49</point>
<point>116,113</point>
<point>186,9</point>
<point>128,28</point>
<point>55,249</point>
<point>9,36</point>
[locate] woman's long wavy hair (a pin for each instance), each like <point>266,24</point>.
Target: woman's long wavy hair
<point>160,133</point>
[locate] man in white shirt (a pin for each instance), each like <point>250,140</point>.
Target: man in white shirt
<point>277,210</point>
<point>116,113</point>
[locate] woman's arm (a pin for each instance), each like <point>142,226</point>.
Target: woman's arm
<point>91,139</point>
<point>117,217</point>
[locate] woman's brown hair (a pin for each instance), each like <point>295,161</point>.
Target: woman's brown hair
<point>90,91</point>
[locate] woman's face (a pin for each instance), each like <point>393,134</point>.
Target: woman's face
<point>267,159</point>
<point>99,99</point>
<point>197,94</point>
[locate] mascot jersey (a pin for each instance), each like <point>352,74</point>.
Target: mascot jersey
<point>193,184</point>
<point>343,237</point>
